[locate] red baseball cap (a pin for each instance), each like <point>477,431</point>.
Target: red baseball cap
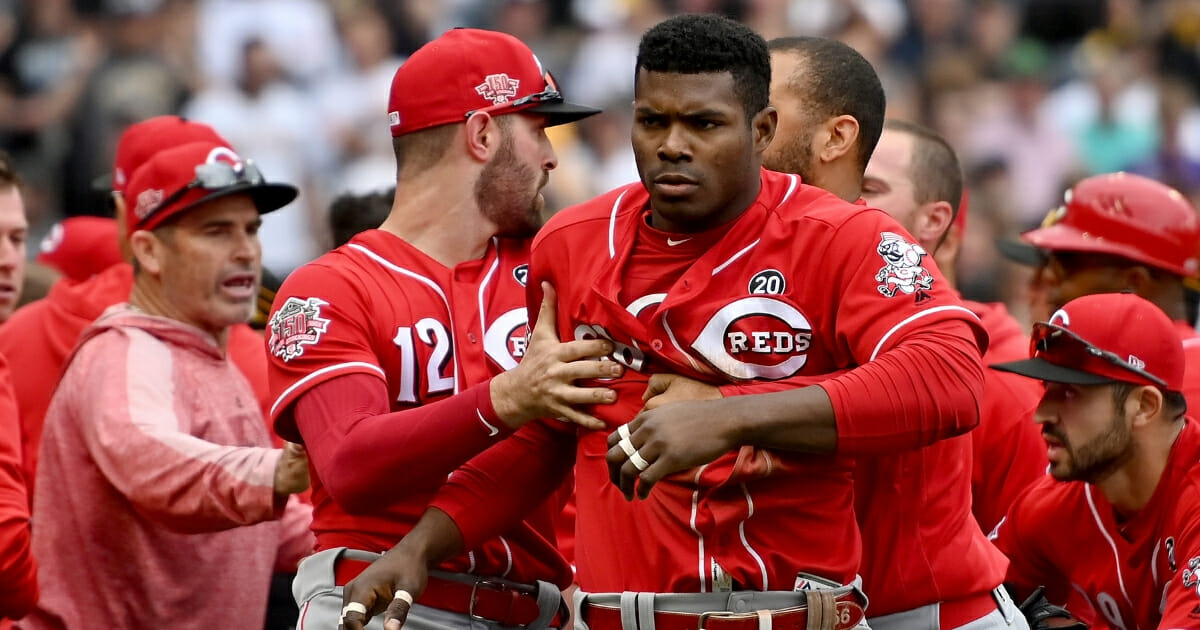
<point>467,70</point>
<point>180,178</point>
<point>81,247</point>
<point>143,139</point>
<point>1105,338</point>
<point>1125,215</point>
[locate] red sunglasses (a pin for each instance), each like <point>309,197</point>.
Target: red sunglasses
<point>1063,347</point>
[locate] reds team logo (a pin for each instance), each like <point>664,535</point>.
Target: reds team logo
<point>756,338</point>
<point>902,271</point>
<point>498,88</point>
<point>296,324</point>
<point>1191,575</point>
<point>505,340</point>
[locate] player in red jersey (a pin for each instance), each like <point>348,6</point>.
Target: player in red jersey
<point>1118,232</point>
<point>383,351</point>
<point>719,270</point>
<point>914,175</point>
<point>1119,520</point>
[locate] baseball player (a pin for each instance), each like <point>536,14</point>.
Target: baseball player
<point>925,565</point>
<point>1125,232</point>
<point>1118,520</point>
<point>914,176</point>
<point>156,458</point>
<point>394,358</point>
<point>716,269</point>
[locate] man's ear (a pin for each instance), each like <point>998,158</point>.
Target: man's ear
<point>764,124</point>
<point>148,251</point>
<point>841,138</point>
<point>1145,404</point>
<point>932,221</point>
<point>482,136</point>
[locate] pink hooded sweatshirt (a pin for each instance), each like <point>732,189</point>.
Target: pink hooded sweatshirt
<point>154,500</point>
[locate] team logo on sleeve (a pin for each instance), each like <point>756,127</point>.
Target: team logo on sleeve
<point>296,324</point>
<point>1191,575</point>
<point>756,337</point>
<point>902,271</point>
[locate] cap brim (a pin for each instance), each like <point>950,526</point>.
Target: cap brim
<point>1043,370</point>
<point>563,112</point>
<point>267,197</point>
<point>1021,252</point>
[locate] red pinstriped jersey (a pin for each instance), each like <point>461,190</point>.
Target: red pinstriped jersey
<point>802,284</point>
<point>1136,573</point>
<point>380,306</point>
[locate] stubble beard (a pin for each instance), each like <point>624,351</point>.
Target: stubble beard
<point>503,193</point>
<point>1094,461</point>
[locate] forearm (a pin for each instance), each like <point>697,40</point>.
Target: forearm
<point>354,441</point>
<point>434,540</point>
<point>920,391</point>
<point>480,497</point>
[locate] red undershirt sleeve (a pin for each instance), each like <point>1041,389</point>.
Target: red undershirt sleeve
<point>499,488</point>
<point>355,441</point>
<point>926,388</point>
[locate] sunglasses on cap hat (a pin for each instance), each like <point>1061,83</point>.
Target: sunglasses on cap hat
<point>549,94</point>
<point>1064,348</point>
<point>213,176</point>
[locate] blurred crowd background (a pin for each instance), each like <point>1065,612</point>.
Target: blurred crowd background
<point>1032,93</point>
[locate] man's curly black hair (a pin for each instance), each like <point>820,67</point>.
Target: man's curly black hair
<point>704,43</point>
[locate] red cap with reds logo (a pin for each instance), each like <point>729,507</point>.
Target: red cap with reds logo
<point>1103,338</point>
<point>143,139</point>
<point>1125,215</point>
<point>180,178</point>
<point>468,70</point>
<point>81,247</point>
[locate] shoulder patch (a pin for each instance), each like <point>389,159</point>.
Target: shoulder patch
<point>1191,575</point>
<point>902,271</point>
<point>296,324</point>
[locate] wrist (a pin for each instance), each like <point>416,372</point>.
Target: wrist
<point>504,405</point>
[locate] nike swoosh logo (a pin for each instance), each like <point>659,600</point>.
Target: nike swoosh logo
<point>672,242</point>
<point>492,430</point>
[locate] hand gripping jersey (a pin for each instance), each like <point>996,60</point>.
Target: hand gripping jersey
<point>378,306</point>
<point>1138,574</point>
<point>802,284</point>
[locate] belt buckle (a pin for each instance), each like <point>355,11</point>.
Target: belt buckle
<point>717,614</point>
<point>492,585</point>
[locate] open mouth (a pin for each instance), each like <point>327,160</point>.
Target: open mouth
<point>239,286</point>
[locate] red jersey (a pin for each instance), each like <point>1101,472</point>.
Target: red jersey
<point>18,572</point>
<point>40,335</point>
<point>1191,372</point>
<point>1009,453</point>
<point>1137,574</point>
<point>800,285</point>
<point>380,307</point>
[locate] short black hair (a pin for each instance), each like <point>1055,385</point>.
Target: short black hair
<point>696,43</point>
<point>934,169</point>
<point>352,213</point>
<point>838,81</point>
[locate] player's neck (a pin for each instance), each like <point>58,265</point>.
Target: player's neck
<point>1130,487</point>
<point>446,227</point>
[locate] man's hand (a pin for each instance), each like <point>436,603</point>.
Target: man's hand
<point>291,471</point>
<point>543,383</point>
<point>677,430</point>
<point>1042,615</point>
<point>381,588</point>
